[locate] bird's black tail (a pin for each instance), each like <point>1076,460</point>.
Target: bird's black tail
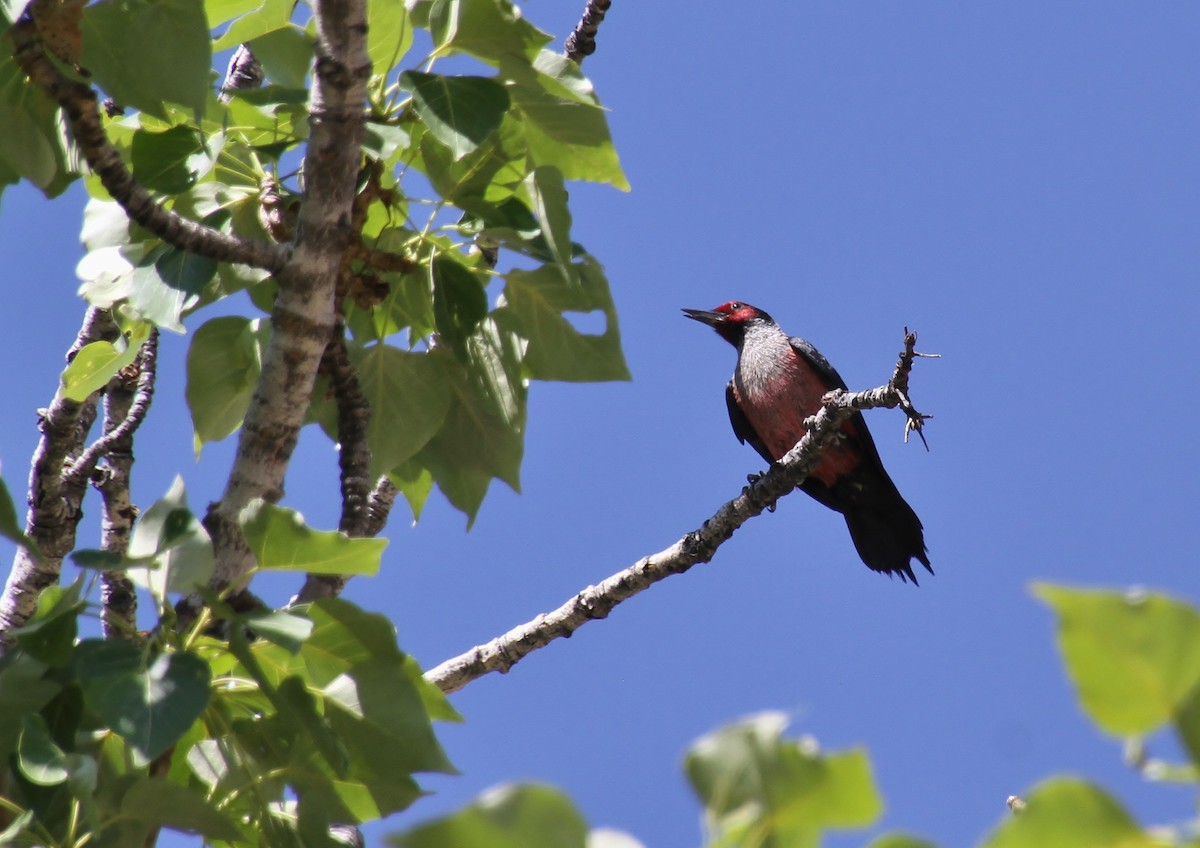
<point>886,532</point>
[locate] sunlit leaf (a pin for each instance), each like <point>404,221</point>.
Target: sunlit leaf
<point>1134,657</point>
<point>98,362</point>
<point>491,30</point>
<point>535,304</point>
<point>38,757</point>
<point>389,33</point>
<point>168,282</point>
<point>759,788</point>
<point>509,816</point>
<point>279,539</point>
<point>460,111</point>
<point>1069,813</point>
<point>286,55</point>
<point>267,16</point>
<point>174,541</point>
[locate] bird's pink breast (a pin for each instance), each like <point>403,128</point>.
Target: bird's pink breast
<point>777,406</point>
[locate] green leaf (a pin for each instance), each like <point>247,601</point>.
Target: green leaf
<point>160,802</point>
<point>381,719</point>
<point>409,397</point>
<point>548,199</point>
<point>508,816</point>
<point>1134,658</point>
<point>459,301</point>
<point>31,144</point>
<point>50,635</point>
<point>389,34</point>
<point>10,527</point>
<point>286,55</point>
<point>491,30</point>
<point>460,111</point>
<point>170,63</point>
<point>98,362</point>
<point>563,131</point>
<point>1069,813</point>
<point>220,11</point>
<point>161,159</point>
<point>149,701</point>
<point>437,705</point>
<point>269,16</point>
<point>761,789</point>
<point>415,482</point>
<point>343,636</point>
<point>900,840</point>
<point>223,366</point>
<point>282,627</point>
<point>491,173</point>
<point>534,307</point>
<point>25,688</point>
<point>167,283</point>
<point>483,434</point>
<point>38,758</point>
<point>279,539</point>
<point>174,542</point>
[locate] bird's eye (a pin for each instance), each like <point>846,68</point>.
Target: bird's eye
<point>734,307</point>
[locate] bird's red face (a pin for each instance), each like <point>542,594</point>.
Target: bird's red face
<point>728,319</point>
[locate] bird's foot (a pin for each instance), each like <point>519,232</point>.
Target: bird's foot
<point>754,478</point>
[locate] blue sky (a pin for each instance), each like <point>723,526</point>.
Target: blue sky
<point>1019,183</point>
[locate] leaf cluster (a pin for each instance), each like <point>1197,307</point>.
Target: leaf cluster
<point>319,720</point>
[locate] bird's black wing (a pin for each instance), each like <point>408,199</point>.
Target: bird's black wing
<point>741,424</point>
<point>834,380</point>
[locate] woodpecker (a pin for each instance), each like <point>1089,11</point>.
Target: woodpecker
<point>777,383</point>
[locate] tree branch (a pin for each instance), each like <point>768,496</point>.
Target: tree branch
<point>78,102</point>
<point>126,401</point>
<point>243,73</point>
<point>120,436</point>
<point>596,602</point>
<point>582,40</point>
<point>354,458</point>
<point>303,318</point>
<point>53,499</point>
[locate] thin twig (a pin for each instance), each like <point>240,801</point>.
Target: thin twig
<point>379,505</point>
<point>78,102</point>
<point>244,73</point>
<point>126,402</point>
<point>582,40</point>
<point>595,602</point>
<point>354,458</point>
<point>81,469</point>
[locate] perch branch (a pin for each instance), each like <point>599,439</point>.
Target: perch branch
<point>78,102</point>
<point>596,602</point>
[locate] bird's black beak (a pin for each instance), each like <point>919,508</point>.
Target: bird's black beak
<point>705,316</point>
